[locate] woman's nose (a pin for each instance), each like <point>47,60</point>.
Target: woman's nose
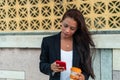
<point>67,30</point>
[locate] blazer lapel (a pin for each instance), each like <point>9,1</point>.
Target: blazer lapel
<point>57,46</point>
<point>76,58</point>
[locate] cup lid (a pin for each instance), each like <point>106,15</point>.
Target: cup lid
<point>75,69</point>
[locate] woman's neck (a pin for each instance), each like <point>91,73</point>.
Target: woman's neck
<point>66,43</point>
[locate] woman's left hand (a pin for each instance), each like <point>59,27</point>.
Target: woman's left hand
<point>80,76</point>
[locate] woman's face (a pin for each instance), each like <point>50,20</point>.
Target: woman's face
<point>69,26</point>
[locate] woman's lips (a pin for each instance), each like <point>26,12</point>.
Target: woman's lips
<point>66,34</point>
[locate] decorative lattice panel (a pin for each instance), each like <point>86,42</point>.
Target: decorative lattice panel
<point>38,15</point>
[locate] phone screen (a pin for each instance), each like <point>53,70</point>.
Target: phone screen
<point>61,63</point>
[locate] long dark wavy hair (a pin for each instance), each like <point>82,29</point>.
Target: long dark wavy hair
<point>83,40</point>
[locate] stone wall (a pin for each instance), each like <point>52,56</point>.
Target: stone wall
<point>20,53</point>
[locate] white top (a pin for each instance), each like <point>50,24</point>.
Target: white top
<point>66,56</point>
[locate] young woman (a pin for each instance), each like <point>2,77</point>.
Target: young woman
<point>71,45</point>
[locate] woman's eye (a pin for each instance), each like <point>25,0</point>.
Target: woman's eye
<point>72,28</point>
<point>65,25</point>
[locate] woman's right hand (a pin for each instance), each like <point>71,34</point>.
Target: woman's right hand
<point>56,68</point>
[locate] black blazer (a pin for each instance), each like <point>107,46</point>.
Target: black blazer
<point>50,52</point>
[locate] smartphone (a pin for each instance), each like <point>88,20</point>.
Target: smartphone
<point>61,63</point>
